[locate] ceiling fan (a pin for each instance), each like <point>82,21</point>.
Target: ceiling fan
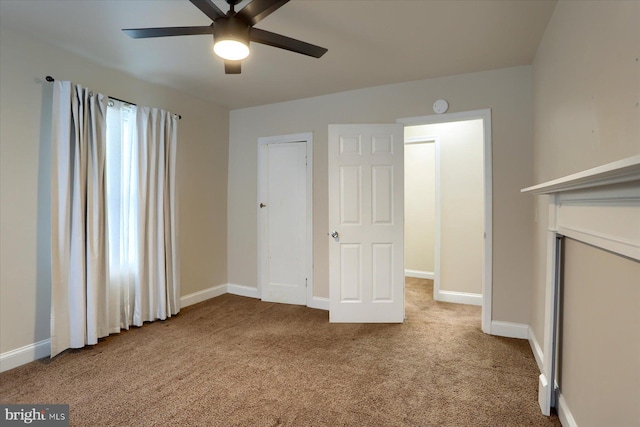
<point>233,31</point>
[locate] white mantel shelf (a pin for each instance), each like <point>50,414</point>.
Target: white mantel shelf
<point>599,206</point>
<point>625,170</point>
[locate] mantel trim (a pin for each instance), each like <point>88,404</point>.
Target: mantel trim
<point>625,170</point>
<point>599,207</point>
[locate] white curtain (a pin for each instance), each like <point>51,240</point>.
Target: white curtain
<point>159,275</point>
<point>79,294</point>
<point>115,260</point>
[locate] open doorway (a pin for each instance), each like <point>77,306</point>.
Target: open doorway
<point>420,205</point>
<point>448,206</point>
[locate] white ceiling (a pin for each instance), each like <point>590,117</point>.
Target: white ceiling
<point>370,42</point>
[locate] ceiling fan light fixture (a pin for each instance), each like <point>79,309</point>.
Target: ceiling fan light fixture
<point>231,39</point>
<point>231,50</point>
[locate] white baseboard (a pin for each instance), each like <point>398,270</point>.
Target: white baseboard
<point>28,353</point>
<point>566,418</point>
<point>536,349</point>
<point>419,274</point>
<point>20,356</point>
<point>243,291</point>
<point>458,297</point>
<point>564,414</point>
<point>320,303</point>
<point>510,329</point>
<point>203,295</point>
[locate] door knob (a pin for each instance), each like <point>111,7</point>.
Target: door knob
<point>333,234</point>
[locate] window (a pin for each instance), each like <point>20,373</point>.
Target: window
<point>122,211</point>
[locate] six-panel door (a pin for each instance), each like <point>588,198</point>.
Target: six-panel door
<point>366,208</point>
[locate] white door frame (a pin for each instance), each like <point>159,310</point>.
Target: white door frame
<point>487,250</point>
<point>263,144</point>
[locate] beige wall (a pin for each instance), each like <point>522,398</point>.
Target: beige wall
<point>586,83</point>
<point>599,375</point>
<point>461,202</point>
<point>419,206</point>
<point>507,92</point>
<point>24,178</point>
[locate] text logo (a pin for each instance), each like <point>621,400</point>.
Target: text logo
<point>34,415</point>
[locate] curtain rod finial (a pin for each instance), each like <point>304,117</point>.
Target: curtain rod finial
<point>49,79</point>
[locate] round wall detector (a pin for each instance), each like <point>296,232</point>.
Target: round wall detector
<point>440,106</point>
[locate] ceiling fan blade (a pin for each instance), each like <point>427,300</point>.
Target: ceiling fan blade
<point>232,67</point>
<point>287,43</point>
<point>257,10</point>
<point>144,33</point>
<point>208,8</point>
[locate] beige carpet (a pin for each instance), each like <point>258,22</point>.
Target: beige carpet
<point>235,361</point>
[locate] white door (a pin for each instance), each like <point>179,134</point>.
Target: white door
<point>366,220</point>
<point>284,221</point>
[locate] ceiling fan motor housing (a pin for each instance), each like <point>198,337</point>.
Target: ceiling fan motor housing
<point>231,28</point>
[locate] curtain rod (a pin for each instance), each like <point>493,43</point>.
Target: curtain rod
<point>51,79</point>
